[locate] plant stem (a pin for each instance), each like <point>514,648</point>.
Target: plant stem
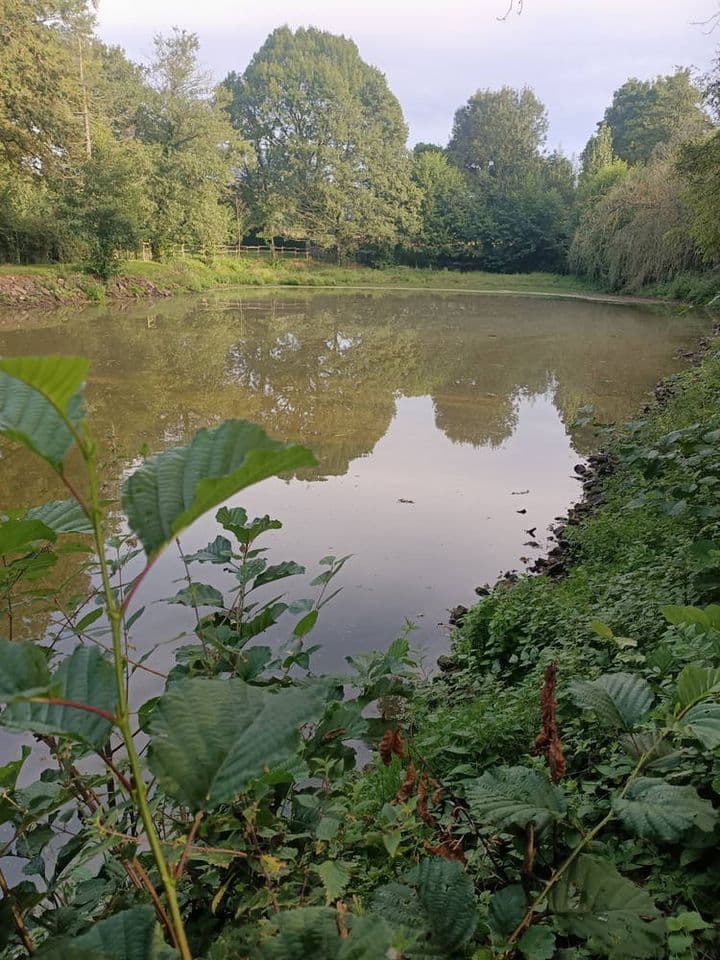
<point>18,919</point>
<point>115,615</point>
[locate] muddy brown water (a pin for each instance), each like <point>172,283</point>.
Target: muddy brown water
<point>435,419</point>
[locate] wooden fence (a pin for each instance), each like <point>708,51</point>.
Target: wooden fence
<point>238,250</point>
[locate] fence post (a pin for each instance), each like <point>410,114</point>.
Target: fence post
<point>146,252</point>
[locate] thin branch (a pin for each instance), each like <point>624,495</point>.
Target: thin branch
<point>136,583</point>
<point>18,919</point>
<point>516,6</point>
<point>122,779</point>
<point>179,870</point>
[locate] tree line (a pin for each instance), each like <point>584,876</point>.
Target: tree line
<point>308,145</point>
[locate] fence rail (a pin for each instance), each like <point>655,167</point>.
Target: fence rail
<point>183,250</point>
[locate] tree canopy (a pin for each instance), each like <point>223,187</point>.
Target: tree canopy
<point>330,163</point>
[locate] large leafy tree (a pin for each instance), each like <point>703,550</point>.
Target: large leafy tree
<point>330,163</point>
<point>499,133</point>
<point>195,147</point>
<point>646,113</point>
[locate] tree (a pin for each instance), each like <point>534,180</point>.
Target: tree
<point>598,152</point>
<point>330,163</point>
<point>646,113</point>
<point>699,164</point>
<point>446,208</point>
<point>499,133</point>
<point>195,147</point>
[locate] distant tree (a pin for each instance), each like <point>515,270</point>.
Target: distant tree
<point>499,133</point>
<point>195,148</point>
<point>646,113</point>
<point>699,164</point>
<point>598,152</point>
<point>330,162</point>
<point>446,207</point>
<point>421,148</point>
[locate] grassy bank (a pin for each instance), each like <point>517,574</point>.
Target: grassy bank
<point>65,283</point>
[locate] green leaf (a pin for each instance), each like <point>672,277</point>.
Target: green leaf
<point>538,943</point>
<point>211,738</point>
<point>335,877</point>
<point>32,416</point>
<point>57,378</point>
<point>85,677</point>
<point>132,934</point>
<point>235,520</point>
<point>507,908</point>
<point>601,630</point>
<point>306,623</point>
<point>288,568</point>
<point>62,516</point>
<point>617,699</point>
<point>695,683</point>
<point>447,895</point>
<point>707,618</point>
<point>200,595</point>
<point>218,551</point>
<point>703,721</point>
<point>391,842</point>
<point>616,918</point>
<point>177,486</point>
<point>657,810</point>
<point>516,796</point>
<point>17,535</point>
<point>23,669</point>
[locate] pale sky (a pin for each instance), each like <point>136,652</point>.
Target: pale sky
<point>435,53</point>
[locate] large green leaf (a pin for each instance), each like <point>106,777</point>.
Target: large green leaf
<point>658,810</point>
<point>706,618</point>
<point>448,897</point>
<point>57,378</point>
<point>507,908</point>
<point>23,669</point>
<point>618,919</point>
<point>132,934</point>
<point>537,943</point>
<point>18,535</point>
<point>696,682</point>
<point>703,721</point>
<point>85,677</point>
<point>175,487</point>
<point>200,595</point>
<point>517,796</point>
<point>210,738</point>
<point>617,699</point>
<point>62,516</point>
<point>38,395</point>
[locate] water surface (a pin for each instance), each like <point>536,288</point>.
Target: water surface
<point>435,419</point>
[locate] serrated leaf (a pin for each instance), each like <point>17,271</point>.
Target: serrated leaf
<point>85,677</point>
<point>132,934</point>
<point>23,668</point>
<point>399,903</point>
<point>303,933</point>
<point>617,699</point>
<point>198,595</point>
<point>18,535</point>
<point>538,943</point>
<point>447,895</point>
<point>29,416</point>
<point>516,796</point>
<point>507,908</point>
<point>175,487</point>
<point>617,918</point>
<point>57,378</point>
<point>218,551</point>
<point>703,721</point>
<point>335,877</point>
<point>654,809</point>
<point>696,682</point>
<point>235,519</point>
<point>288,568</point>
<point>211,738</point>
<point>62,516</point>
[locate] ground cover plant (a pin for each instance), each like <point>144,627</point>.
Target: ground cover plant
<point>555,795</point>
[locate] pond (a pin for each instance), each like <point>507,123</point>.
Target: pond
<point>443,425</point>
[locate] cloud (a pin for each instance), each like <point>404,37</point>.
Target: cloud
<point>435,53</point>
